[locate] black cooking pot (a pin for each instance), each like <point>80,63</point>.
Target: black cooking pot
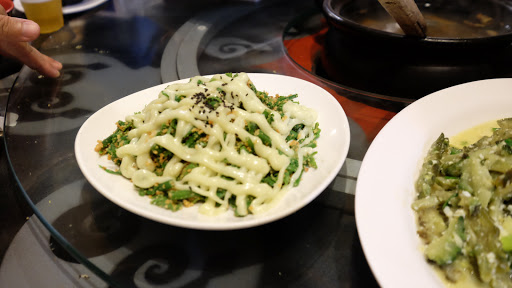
<point>466,40</point>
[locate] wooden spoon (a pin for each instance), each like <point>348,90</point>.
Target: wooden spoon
<point>407,15</point>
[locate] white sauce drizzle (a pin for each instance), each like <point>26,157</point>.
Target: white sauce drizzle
<point>220,156</point>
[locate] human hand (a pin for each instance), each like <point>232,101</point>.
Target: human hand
<point>15,35</point>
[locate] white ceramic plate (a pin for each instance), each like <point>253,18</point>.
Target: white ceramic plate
<point>332,150</point>
<point>385,186</point>
<point>69,9</point>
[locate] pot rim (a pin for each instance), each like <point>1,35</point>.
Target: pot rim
<point>343,23</point>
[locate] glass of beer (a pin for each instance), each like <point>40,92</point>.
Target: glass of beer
<point>46,13</point>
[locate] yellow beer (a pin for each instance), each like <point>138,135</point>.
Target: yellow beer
<point>46,13</point>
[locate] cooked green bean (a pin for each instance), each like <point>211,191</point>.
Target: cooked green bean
<point>464,208</point>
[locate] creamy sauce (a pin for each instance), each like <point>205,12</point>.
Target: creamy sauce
<point>465,281</point>
<point>220,157</point>
<point>473,134</point>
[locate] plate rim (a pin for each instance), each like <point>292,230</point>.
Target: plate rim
<point>259,219</point>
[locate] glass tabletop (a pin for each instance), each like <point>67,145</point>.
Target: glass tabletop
<point>122,47</point>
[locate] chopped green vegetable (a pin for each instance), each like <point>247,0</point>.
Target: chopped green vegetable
<point>213,136</point>
<point>110,171</point>
<point>445,249</point>
<point>178,98</point>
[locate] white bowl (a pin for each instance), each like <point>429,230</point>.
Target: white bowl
<point>385,187</point>
<point>332,150</point>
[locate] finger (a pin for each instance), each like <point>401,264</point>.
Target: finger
<point>31,57</point>
<point>18,29</point>
<point>43,64</point>
<point>2,10</point>
<point>55,64</point>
